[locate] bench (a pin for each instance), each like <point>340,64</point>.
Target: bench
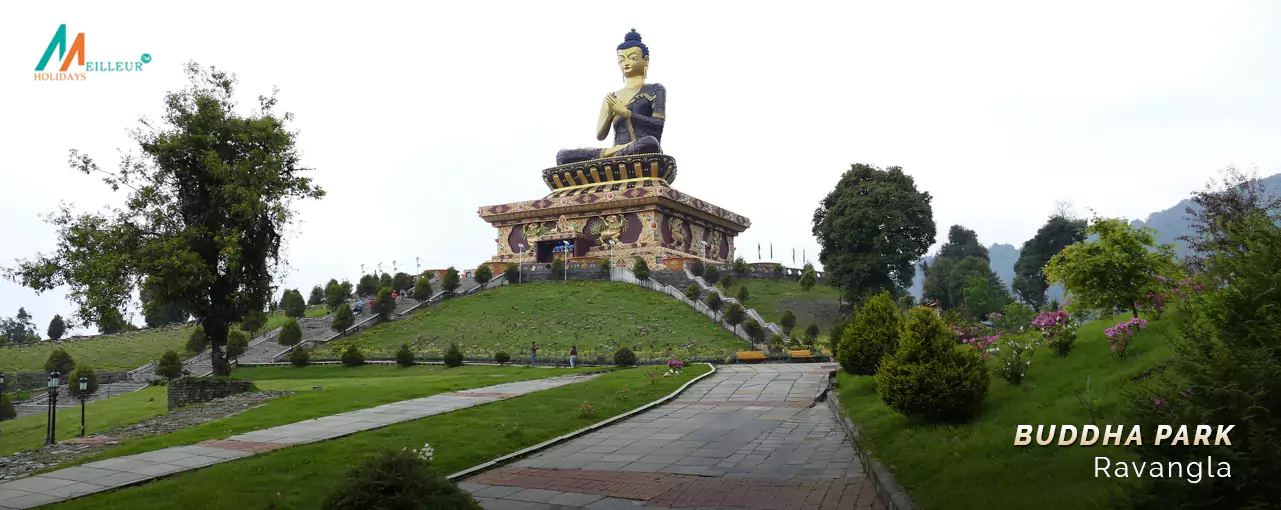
<point>803,355</point>
<point>751,356</point>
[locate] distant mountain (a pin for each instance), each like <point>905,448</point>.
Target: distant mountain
<point>1169,224</point>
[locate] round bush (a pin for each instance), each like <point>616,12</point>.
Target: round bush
<point>872,334</point>
<point>290,333</point>
<point>237,344</point>
<point>299,357</point>
<point>198,341</point>
<point>624,357</point>
<point>352,357</point>
<point>397,479</point>
<point>453,356</point>
<point>501,357</point>
<point>169,366</point>
<point>928,376</point>
<point>73,381</point>
<point>404,356</point>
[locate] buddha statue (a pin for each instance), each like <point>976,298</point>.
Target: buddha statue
<point>635,111</point>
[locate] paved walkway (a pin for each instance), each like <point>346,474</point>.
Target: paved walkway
<point>114,473</point>
<point>744,438</point>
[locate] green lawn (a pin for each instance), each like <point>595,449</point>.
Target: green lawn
<point>28,432</point>
<point>976,465</point>
<point>120,352</point>
<point>315,311</point>
<point>344,389</point>
<point>771,298</point>
<point>299,477</point>
<point>598,317</point>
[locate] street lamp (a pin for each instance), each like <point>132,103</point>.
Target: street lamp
<point>566,243</point>
<point>84,393</point>
<point>1,385</point>
<point>520,263</point>
<point>54,376</point>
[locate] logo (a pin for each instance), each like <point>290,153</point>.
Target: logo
<point>74,53</point>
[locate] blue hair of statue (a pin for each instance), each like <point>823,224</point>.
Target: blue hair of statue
<point>633,40</point>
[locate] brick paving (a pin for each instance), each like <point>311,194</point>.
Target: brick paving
<point>748,437</point>
<point>114,473</point>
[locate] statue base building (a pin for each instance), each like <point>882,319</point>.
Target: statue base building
<point>618,208</point>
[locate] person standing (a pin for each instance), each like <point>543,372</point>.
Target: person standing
<point>573,355</point>
<point>533,353</point>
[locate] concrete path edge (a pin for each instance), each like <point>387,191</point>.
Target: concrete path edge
<point>560,439</point>
<point>892,494</point>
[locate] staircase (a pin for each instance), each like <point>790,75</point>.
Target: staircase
<point>40,404</point>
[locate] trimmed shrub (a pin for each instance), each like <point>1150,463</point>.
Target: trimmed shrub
<point>697,268</point>
<point>502,357</point>
<point>422,288</point>
<point>928,376</point>
<point>811,333</point>
<point>788,321</point>
<point>693,292</point>
<point>776,341</point>
<point>641,269</point>
<point>237,344</point>
<point>169,366</point>
<point>728,280</point>
<point>871,335</point>
<point>511,272</point>
<point>453,356</point>
<point>450,282</point>
<point>293,303</point>
<point>253,321</point>
<point>714,301</point>
<point>734,315</point>
<point>740,265</point>
<point>384,304</point>
<point>604,265</point>
<point>352,357</point>
<point>743,295</point>
<point>343,320</point>
<point>711,275</point>
<point>290,333</point>
<point>483,274</point>
<point>73,381</point>
<point>624,357</point>
<point>809,277</point>
<point>59,360</point>
<point>754,330</point>
<point>198,341</point>
<point>299,357</point>
<point>398,479</point>
<point>404,356</point>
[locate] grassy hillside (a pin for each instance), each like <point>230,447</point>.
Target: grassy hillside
<point>976,466</point>
<point>771,298</point>
<point>598,317</point>
<point>118,352</point>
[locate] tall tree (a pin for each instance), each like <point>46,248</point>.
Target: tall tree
<point>208,203</point>
<point>112,322</point>
<point>317,296</point>
<point>20,329</point>
<point>334,295</point>
<point>1238,196</point>
<point>384,280</point>
<point>402,282</point>
<point>157,312</point>
<point>293,303</point>
<point>1058,232</point>
<point>1115,272</point>
<point>871,228</point>
<point>57,328</point>
<point>450,282</point>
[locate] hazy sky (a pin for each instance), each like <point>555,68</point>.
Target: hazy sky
<point>414,115</point>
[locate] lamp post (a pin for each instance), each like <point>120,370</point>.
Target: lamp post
<point>1,385</point>
<point>54,376</point>
<point>84,393</point>
<point>611,252</point>
<point>520,264</point>
<point>566,243</point>
<point>418,267</point>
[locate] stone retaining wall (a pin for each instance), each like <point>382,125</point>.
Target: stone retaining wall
<point>19,381</point>
<point>187,391</point>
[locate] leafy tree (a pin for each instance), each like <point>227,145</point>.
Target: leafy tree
<point>404,356</point>
<point>811,333</point>
<point>335,298</point>
<point>450,282</point>
<point>754,330</point>
<point>57,328</point>
<point>512,272</point>
<point>299,357</point>
<point>1226,368</point>
<point>871,228</point>
<point>293,303</point>
<point>290,333</point>
<point>209,204</point>
<point>483,274</point>
<point>402,282</point>
<point>59,360</point>
<point>197,341</point>
<point>788,321</point>
<point>453,356</point>
<point>384,304</point>
<point>743,295</point>
<point>834,336</point>
<point>714,301</point>
<point>1238,197</point>
<point>7,412</point>
<point>809,277</point>
<point>937,286</point>
<point>385,280</point>
<point>728,280</point>
<point>158,312</point>
<point>20,329</point>
<point>422,289</point>
<point>237,344</point>
<point>692,292</point>
<point>169,366</point>
<point>1058,232</point>
<point>429,275</point>
<point>346,289</point>
<point>343,320</point>
<point>734,315</point>
<point>872,334</point>
<point>928,376</point>
<point>740,265</point>
<point>697,268</point>
<point>711,275</point>
<point>983,295</point>
<point>962,243</point>
<point>1115,272</point>
<point>317,296</point>
<point>368,285</point>
<point>641,269</point>
<point>111,322</point>
<point>254,320</point>
<point>624,357</point>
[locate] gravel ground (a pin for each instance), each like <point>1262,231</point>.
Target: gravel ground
<point>22,464</point>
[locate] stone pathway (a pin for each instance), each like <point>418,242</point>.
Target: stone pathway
<point>114,473</point>
<point>745,438</point>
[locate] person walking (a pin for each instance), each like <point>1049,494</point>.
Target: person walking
<point>533,353</point>
<point>573,355</point>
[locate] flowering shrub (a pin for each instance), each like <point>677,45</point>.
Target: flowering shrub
<point>675,365</point>
<point>1015,360</point>
<point>586,411</point>
<point>1122,334</point>
<point>653,379</point>
<point>1058,328</point>
<point>425,453</point>
<point>982,345</point>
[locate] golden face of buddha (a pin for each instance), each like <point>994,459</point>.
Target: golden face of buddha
<point>632,63</point>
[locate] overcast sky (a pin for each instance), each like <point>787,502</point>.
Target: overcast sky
<point>413,116</point>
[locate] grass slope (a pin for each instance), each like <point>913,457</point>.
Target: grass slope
<point>770,298</point>
<point>344,389</point>
<point>598,317</point>
<point>976,465</point>
<point>118,352</point>
<point>28,432</point>
<point>300,477</point>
